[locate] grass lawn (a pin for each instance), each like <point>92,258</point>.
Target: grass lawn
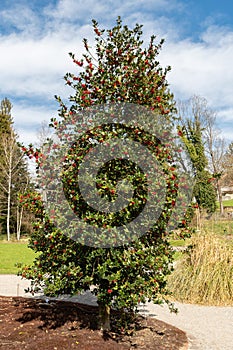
<point>228,203</point>
<point>12,253</point>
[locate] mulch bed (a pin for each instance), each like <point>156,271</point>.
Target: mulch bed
<point>27,323</point>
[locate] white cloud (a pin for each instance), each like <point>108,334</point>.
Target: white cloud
<point>204,68</point>
<point>226,115</point>
<point>217,36</point>
<point>78,9</point>
<point>35,59</point>
<point>33,64</point>
<point>227,133</point>
<point>26,115</point>
<point>35,67</point>
<point>21,17</point>
<point>108,10</point>
<point>28,120</point>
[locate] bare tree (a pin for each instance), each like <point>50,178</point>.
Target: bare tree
<point>20,209</point>
<point>215,150</point>
<point>228,165</point>
<point>43,133</point>
<point>10,168</point>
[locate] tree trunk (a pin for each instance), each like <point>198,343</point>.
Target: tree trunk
<point>220,198</point>
<point>104,317</point>
<point>19,221</point>
<point>8,207</point>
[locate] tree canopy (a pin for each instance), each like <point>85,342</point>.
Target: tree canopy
<point>119,70</point>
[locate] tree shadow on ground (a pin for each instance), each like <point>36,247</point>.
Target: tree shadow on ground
<point>55,314</point>
<point>37,324</point>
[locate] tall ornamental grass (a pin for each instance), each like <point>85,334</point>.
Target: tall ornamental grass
<point>205,274</point>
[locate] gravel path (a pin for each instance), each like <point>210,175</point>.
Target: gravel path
<point>207,327</point>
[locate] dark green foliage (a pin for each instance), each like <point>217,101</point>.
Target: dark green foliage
<point>122,71</point>
<point>5,117</point>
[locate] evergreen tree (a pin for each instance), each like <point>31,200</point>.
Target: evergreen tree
<point>5,116</point>
<point>120,70</point>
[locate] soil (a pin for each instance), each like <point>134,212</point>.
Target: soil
<point>27,323</point>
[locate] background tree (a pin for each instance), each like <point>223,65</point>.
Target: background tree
<point>43,134</point>
<point>192,126</point>
<point>120,70</point>
<point>5,128</point>
<point>215,150</point>
<point>14,176</point>
<point>5,115</point>
<point>227,164</point>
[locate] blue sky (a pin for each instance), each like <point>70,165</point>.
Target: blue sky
<point>36,36</point>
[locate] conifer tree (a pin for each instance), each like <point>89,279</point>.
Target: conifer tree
<point>5,116</point>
